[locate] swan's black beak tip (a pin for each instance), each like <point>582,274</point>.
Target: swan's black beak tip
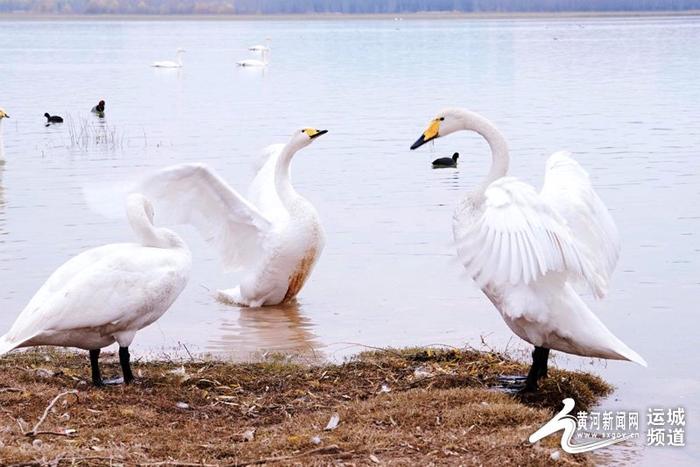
<point>419,142</point>
<point>319,133</point>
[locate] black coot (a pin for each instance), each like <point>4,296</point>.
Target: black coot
<point>53,118</point>
<point>446,161</point>
<point>99,108</point>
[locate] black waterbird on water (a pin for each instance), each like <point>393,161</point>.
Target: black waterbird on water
<point>444,162</point>
<point>53,118</point>
<point>99,109</point>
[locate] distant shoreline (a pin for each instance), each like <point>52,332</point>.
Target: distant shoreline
<point>331,16</point>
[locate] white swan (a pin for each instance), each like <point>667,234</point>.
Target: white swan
<point>260,47</point>
<point>106,294</point>
<point>254,62</point>
<point>169,63</point>
<point>275,236</point>
<point>526,250</point>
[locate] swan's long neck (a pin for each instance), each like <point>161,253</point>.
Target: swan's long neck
<point>499,148</point>
<point>146,232</point>
<point>283,181</point>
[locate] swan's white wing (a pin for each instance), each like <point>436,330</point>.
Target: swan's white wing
<point>567,188</point>
<point>194,194</point>
<point>105,289</point>
<point>516,237</point>
<point>262,191</point>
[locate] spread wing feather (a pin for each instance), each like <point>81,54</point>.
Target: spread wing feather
<point>567,188</point>
<point>194,194</point>
<point>515,236</point>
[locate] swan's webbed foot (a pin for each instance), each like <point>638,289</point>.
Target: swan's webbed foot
<point>113,381</point>
<point>527,384</point>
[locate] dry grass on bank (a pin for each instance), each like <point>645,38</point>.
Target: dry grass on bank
<point>399,407</point>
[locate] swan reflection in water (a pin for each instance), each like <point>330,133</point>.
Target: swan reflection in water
<point>254,332</point>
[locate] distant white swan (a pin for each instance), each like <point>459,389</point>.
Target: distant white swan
<point>526,250</point>
<point>254,62</point>
<point>275,236</point>
<point>169,63</point>
<point>107,294</point>
<point>260,47</point>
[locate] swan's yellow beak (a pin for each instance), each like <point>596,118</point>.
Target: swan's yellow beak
<point>314,133</point>
<point>428,135</point>
<point>3,114</point>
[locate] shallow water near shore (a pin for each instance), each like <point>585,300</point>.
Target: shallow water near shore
<point>621,93</point>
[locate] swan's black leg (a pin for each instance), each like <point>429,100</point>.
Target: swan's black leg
<point>125,364</point>
<point>531,380</point>
<point>543,368</point>
<point>95,367</point>
<point>538,369</point>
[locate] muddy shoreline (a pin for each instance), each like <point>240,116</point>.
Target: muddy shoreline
<point>410,406</point>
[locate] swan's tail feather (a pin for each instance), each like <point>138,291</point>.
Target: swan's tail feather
<point>231,297</point>
<point>627,353</point>
<point>6,345</point>
<point>587,335</point>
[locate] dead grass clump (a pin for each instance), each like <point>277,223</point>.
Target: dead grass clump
<point>411,406</point>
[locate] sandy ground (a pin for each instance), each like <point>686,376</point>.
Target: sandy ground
<point>392,407</point>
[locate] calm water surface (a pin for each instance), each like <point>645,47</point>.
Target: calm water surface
<point>622,94</point>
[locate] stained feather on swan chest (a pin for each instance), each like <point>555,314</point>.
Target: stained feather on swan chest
<point>299,275</point>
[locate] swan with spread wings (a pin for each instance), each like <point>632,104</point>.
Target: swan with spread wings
<point>527,251</point>
<point>274,236</point>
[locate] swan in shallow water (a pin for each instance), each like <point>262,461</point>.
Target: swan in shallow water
<point>260,47</point>
<point>106,294</point>
<point>169,63</point>
<point>275,235</point>
<point>254,62</point>
<point>527,250</point>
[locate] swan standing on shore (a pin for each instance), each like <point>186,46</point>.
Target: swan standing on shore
<point>275,236</point>
<point>106,294</point>
<point>527,250</point>
<point>169,63</point>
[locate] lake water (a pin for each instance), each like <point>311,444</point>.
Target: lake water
<point>621,93</point>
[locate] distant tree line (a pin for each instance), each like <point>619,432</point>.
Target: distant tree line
<point>333,6</point>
